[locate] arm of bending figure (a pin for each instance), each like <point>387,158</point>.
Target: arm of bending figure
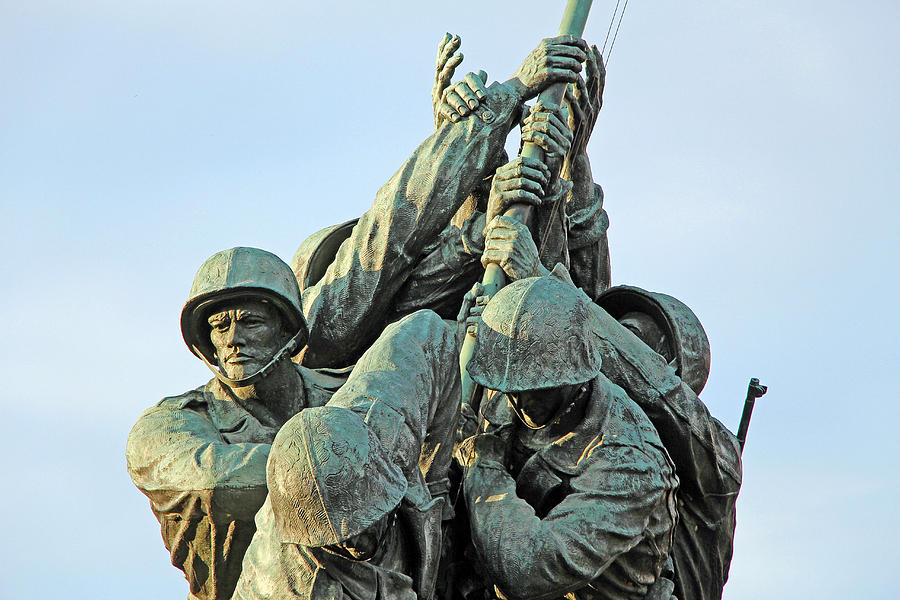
<point>606,515</point>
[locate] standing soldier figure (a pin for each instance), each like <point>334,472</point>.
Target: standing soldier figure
<point>655,348</point>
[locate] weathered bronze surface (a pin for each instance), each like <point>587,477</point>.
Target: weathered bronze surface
<point>339,452</point>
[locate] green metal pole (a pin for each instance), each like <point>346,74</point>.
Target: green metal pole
<point>573,22</point>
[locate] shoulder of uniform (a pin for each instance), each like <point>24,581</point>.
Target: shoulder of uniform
<point>630,424</point>
<point>193,397</point>
<point>326,379</point>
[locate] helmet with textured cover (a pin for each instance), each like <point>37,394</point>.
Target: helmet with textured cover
<point>685,336</point>
<point>329,477</point>
<point>535,334</point>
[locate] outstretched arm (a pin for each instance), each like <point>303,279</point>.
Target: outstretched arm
<point>346,308</point>
<point>587,241</point>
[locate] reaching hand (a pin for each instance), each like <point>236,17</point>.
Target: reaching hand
<point>447,61</point>
<point>470,312</point>
<point>462,98</point>
<point>554,60</point>
<point>584,101</point>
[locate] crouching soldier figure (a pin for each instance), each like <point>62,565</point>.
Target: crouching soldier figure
<point>358,489</point>
<point>568,488</point>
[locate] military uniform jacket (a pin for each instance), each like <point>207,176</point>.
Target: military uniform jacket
<point>706,454</point>
<point>201,460</point>
<point>590,515</point>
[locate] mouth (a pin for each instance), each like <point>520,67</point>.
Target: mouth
<point>239,358</point>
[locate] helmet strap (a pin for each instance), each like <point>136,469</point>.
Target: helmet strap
<point>563,408</point>
<point>286,350</point>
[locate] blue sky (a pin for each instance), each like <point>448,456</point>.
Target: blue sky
<point>749,154</point>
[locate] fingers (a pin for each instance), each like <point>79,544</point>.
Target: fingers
<point>560,75</point>
<point>446,73</point>
<point>455,102</point>
<point>448,112</point>
<point>541,115</point>
<point>470,300</point>
<point>596,72</point>
<point>462,98</point>
<point>547,130</point>
<point>504,228</point>
<point>509,244</point>
<point>504,200</point>
<point>524,166</point>
<point>568,45</point>
<point>576,112</point>
<point>475,83</point>
<point>448,45</point>
<point>466,94</point>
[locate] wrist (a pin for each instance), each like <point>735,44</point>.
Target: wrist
<point>519,89</point>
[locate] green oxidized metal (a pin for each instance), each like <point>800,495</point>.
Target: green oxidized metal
<point>686,336</point>
<point>317,252</point>
<point>240,273</point>
<point>329,477</point>
<point>535,334</point>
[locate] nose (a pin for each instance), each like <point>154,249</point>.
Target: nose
<point>234,337</point>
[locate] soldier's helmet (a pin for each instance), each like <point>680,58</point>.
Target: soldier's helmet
<point>329,477</point>
<point>535,334</point>
<point>240,273</point>
<point>686,338</point>
<point>318,251</point>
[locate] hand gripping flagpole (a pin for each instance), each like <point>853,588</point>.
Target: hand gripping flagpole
<point>573,21</point>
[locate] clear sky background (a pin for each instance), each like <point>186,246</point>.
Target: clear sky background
<point>749,152</point>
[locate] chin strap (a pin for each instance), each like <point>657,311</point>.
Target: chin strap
<point>563,408</point>
<point>286,350</point>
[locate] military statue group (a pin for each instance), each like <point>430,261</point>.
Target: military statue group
<point>332,456</point>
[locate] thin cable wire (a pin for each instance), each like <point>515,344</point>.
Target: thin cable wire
<point>616,34</point>
<point>611,21</point>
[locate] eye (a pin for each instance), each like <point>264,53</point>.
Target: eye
<point>220,326</point>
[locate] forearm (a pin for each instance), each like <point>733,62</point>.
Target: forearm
<point>588,223</point>
<point>172,455</point>
<point>346,308</point>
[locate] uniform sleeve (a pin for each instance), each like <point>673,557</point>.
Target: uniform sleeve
<point>345,309</point>
<point>589,246</point>
<point>171,451</point>
<point>588,243</point>
<point>705,453</point>
<point>203,491</point>
<point>406,388</point>
<point>605,515</point>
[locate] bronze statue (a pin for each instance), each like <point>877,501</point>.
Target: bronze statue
<point>362,518</point>
<point>200,457</point>
<point>317,463</point>
<point>568,488</point>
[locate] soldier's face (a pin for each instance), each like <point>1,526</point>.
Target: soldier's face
<point>537,408</point>
<point>648,331</point>
<point>364,545</point>
<point>245,334</point>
